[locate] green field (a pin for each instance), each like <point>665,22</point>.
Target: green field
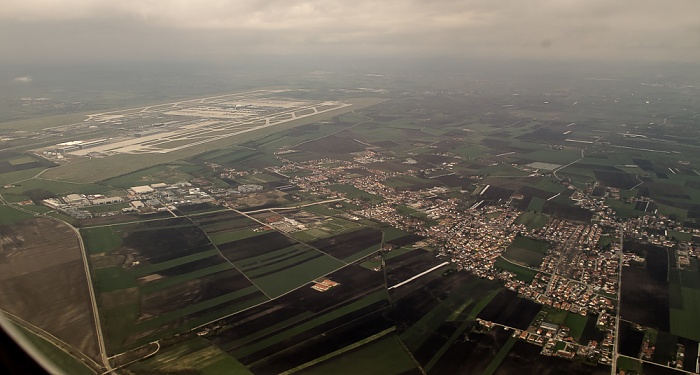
<point>309,235</point>
<point>322,210</point>
<point>154,268</point>
<point>56,187</point>
<point>223,237</point>
<point>536,205</point>
<point>382,356</point>
<point>500,356</point>
<point>681,236</point>
<point>521,273</point>
<point>462,305</point>
<point>62,360</point>
<point>527,251</point>
<point>101,239</point>
<point>18,176</point>
<point>624,210</point>
<point>195,354</point>
<point>255,344</point>
<point>629,364</point>
<point>10,215</point>
<point>153,175</point>
<point>355,193</point>
<point>555,315</point>
<point>684,322</point>
<point>123,290</point>
<point>577,323</point>
<point>467,317</point>
<point>532,220</point>
<point>288,279</point>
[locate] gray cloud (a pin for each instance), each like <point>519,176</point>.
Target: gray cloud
<point>214,29</point>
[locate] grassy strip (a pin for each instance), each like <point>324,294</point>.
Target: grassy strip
<point>223,237</point>
<point>462,327</point>
<point>285,280</point>
<point>500,356</point>
<point>267,257</point>
<point>281,266</point>
<point>249,349</point>
<point>153,268</point>
<point>55,355</point>
<point>361,254</point>
<point>172,281</point>
<point>267,331</point>
<point>340,351</point>
<point>191,309</point>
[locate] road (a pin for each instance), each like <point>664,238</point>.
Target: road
<point>58,343</point>
<point>570,164</point>
<point>93,299</point>
<point>564,253</point>
<point>617,315</point>
<point>294,207</point>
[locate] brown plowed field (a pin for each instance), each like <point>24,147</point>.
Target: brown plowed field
<point>42,281</point>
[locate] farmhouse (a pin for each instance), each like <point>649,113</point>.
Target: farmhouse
<point>324,284</point>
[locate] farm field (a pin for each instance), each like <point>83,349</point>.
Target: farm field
<point>295,329</point>
<point>224,261</point>
<point>526,251</point>
<point>532,220</point>
<point>41,260</point>
<point>383,355</point>
<point>194,354</point>
<point>62,360</point>
<point>141,287</point>
<point>683,322</point>
<point>521,273</point>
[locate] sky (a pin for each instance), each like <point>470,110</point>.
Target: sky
<point>230,30</point>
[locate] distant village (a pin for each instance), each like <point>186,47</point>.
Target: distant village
<point>576,275</point>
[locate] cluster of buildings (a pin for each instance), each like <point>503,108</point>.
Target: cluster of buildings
<point>323,285</point>
<point>143,199</point>
<point>577,274</point>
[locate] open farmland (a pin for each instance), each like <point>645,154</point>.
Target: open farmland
<point>645,291</point>
<point>352,245</point>
<point>159,277</point>
<point>277,263</point>
<point>195,354</point>
<point>41,260</point>
<point>306,324</point>
<point>384,355</point>
<point>437,313</point>
<point>684,310</point>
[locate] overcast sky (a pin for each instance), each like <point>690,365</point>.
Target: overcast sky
<point>226,30</point>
